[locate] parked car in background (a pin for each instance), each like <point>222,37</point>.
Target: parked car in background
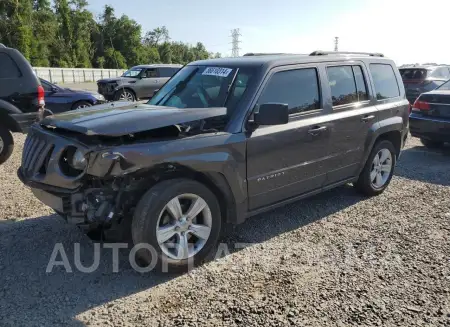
<point>424,78</point>
<point>59,99</point>
<point>223,140</point>
<point>139,82</point>
<point>21,97</point>
<point>430,117</point>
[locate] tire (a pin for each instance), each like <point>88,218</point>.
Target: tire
<point>81,105</point>
<point>365,183</point>
<point>6,144</point>
<point>151,212</point>
<point>124,95</point>
<point>431,144</point>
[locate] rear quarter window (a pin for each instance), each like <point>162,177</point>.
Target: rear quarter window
<point>8,68</point>
<point>385,82</point>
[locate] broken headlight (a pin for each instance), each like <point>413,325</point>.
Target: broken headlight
<point>78,161</point>
<point>73,162</point>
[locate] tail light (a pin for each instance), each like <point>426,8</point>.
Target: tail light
<point>41,93</point>
<point>421,106</point>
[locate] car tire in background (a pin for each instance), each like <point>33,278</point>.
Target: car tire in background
<point>81,105</point>
<point>378,170</point>
<point>6,144</point>
<point>124,95</point>
<point>431,144</point>
<point>174,213</point>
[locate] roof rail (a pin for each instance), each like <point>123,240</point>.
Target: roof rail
<point>262,54</point>
<point>324,53</point>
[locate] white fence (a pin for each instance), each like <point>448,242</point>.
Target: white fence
<point>75,75</point>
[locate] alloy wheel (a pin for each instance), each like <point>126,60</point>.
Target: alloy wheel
<point>126,96</point>
<point>82,106</point>
<point>381,168</point>
<point>2,144</point>
<point>184,226</point>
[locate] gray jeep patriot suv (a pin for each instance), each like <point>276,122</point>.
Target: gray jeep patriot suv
<point>223,140</point>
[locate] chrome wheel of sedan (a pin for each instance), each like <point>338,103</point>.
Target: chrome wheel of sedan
<point>184,226</point>
<point>381,168</point>
<point>2,144</point>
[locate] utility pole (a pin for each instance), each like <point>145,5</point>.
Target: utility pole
<point>336,44</point>
<point>235,34</point>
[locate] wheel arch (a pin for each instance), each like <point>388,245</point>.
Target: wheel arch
<point>214,181</point>
<point>128,89</point>
<point>390,129</point>
<point>83,100</point>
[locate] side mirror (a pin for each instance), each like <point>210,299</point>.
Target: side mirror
<point>54,89</point>
<point>272,114</point>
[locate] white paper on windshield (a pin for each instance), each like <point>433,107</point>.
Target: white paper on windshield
<point>217,71</point>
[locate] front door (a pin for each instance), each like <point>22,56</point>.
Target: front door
<point>288,160</point>
<point>147,84</point>
<point>353,115</point>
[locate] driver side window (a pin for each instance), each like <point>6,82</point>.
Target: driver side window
<point>298,88</point>
<point>150,73</point>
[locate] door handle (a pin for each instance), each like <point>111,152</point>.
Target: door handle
<point>317,130</point>
<point>367,118</point>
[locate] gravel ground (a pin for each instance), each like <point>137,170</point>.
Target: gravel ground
<point>336,259</point>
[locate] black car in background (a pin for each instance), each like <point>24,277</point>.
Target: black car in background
<point>430,117</point>
<point>59,99</point>
<point>424,78</point>
<point>21,97</point>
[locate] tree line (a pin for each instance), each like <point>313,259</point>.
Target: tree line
<point>66,34</point>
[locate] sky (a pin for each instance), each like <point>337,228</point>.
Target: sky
<point>407,31</point>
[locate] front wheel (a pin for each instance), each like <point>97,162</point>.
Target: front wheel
<point>6,144</point>
<point>378,170</point>
<point>81,105</point>
<point>177,223</point>
<point>431,144</point>
<point>124,95</point>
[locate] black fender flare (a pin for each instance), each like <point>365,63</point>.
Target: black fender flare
<point>6,110</point>
<point>392,124</point>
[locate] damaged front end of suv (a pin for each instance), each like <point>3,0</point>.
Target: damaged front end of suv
<point>94,175</point>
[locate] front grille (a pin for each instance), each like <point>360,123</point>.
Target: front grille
<point>35,151</point>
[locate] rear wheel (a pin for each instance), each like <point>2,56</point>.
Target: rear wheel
<point>6,144</point>
<point>378,170</point>
<point>431,144</point>
<point>180,221</point>
<point>124,95</point>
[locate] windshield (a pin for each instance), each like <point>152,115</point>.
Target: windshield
<point>204,87</point>
<point>133,72</point>
<point>445,86</point>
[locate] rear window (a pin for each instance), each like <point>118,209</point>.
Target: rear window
<point>413,74</point>
<point>386,85</point>
<point>167,71</point>
<point>347,84</point>
<point>8,68</point>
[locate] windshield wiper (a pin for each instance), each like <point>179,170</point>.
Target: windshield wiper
<point>177,88</point>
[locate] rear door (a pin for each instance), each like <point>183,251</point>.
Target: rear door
<point>288,160</point>
<point>354,112</point>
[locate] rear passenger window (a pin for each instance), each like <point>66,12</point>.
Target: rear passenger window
<point>299,89</point>
<point>167,71</point>
<point>347,84</point>
<point>8,68</point>
<point>384,80</point>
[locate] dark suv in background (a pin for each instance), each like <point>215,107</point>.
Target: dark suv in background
<point>139,82</point>
<point>21,97</point>
<point>424,78</point>
<point>223,140</point>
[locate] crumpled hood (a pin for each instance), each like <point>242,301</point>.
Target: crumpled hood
<point>122,118</point>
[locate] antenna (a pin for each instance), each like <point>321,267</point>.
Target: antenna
<point>336,44</point>
<point>235,34</point>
